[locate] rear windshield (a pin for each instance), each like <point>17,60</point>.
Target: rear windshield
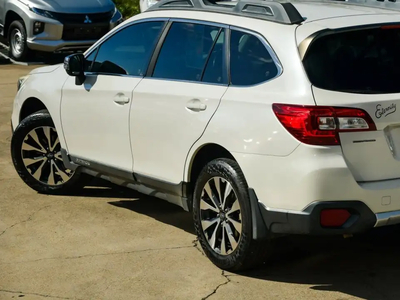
<point>359,61</point>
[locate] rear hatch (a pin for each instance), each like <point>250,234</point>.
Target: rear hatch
<point>359,67</point>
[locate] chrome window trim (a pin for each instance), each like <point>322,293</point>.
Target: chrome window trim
<point>269,49</point>
<point>187,81</point>
<point>210,23</point>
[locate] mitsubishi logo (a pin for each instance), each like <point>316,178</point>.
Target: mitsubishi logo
<point>87,20</point>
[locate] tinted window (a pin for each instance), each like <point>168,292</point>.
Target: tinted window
<point>128,51</point>
<point>215,71</point>
<point>361,61</point>
<point>185,51</point>
<point>250,61</point>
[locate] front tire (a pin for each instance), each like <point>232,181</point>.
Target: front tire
<point>36,155</point>
<point>222,217</point>
<point>17,41</point>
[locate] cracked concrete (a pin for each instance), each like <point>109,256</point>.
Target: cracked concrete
<point>109,243</point>
<point>23,294</point>
<point>24,221</point>
<point>227,280</point>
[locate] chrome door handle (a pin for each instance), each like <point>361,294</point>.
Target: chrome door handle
<point>196,105</point>
<point>121,99</point>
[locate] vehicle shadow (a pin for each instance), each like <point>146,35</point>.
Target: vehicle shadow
<point>365,266</point>
<point>155,208</point>
<point>159,210</point>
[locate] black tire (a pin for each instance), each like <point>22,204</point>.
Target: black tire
<point>17,31</point>
<point>38,158</point>
<point>248,252</point>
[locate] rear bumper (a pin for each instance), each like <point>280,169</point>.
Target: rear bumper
<point>308,221</point>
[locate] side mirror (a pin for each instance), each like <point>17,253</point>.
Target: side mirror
<point>74,65</point>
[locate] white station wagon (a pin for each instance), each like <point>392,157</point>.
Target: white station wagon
<point>262,118</point>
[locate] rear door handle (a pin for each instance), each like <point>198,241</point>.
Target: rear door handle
<point>121,99</point>
<point>196,105</point>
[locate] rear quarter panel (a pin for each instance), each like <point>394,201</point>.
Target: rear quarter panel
<point>245,122</point>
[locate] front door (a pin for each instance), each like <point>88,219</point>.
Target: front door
<point>95,115</point>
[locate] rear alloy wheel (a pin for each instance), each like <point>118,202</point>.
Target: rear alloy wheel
<point>222,217</point>
<point>36,154</point>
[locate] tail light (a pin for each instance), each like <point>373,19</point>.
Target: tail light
<point>320,125</point>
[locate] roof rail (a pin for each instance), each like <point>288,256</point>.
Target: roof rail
<point>385,4</point>
<point>270,10</point>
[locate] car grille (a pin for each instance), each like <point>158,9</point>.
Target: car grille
<point>79,32</point>
<point>83,18</point>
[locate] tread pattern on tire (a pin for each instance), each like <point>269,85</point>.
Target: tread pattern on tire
<point>41,117</point>
<point>249,253</point>
<point>26,52</point>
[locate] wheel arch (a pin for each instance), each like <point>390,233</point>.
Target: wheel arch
<point>30,106</point>
<point>201,156</point>
<point>11,16</point>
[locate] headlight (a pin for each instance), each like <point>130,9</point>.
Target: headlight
<point>41,12</point>
<point>117,17</point>
<point>21,81</point>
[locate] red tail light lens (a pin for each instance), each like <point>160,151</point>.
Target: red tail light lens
<point>320,125</point>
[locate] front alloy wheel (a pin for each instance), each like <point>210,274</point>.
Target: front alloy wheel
<point>36,154</point>
<point>41,155</point>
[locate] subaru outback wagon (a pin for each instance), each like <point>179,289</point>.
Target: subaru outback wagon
<point>262,118</point>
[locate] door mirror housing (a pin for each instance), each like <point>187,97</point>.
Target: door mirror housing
<point>74,65</point>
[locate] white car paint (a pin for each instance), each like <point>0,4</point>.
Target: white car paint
<point>95,119</point>
<point>164,136</point>
<point>174,128</point>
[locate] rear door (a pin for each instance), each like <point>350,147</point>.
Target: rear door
<point>172,107</point>
<point>361,69</point>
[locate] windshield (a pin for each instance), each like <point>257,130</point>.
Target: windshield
<point>357,61</point>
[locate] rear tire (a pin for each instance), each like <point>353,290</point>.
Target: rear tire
<point>17,41</point>
<point>222,217</point>
<point>36,154</point>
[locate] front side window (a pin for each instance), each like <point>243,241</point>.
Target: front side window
<point>250,61</point>
<point>127,52</point>
<point>185,53</point>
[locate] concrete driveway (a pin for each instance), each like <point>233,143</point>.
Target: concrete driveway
<point>109,243</point>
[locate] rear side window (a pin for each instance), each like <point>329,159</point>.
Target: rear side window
<point>185,51</point>
<point>250,61</point>
<point>127,52</point>
<point>363,61</point>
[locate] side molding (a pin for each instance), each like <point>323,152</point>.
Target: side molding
<point>178,194</point>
